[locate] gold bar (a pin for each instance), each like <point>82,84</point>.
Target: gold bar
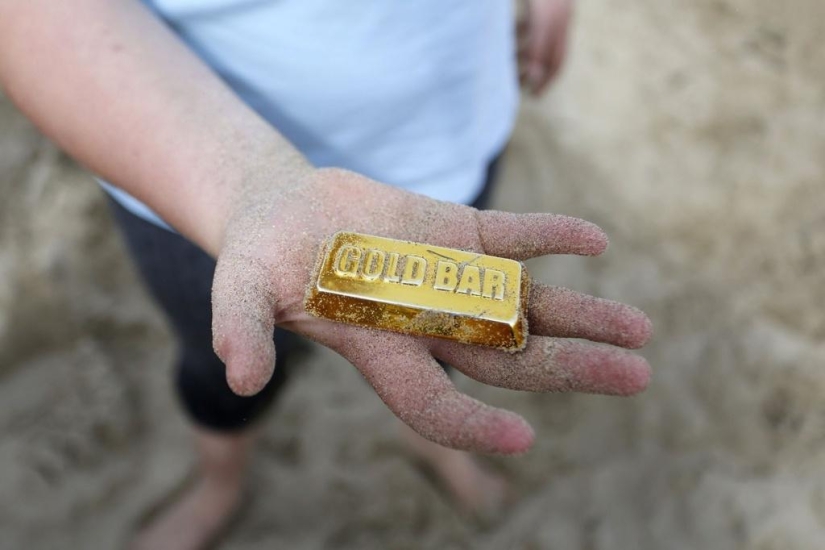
<point>421,289</point>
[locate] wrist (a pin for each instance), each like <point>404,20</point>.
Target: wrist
<point>249,193</point>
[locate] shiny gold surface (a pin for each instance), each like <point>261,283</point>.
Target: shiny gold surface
<point>421,289</point>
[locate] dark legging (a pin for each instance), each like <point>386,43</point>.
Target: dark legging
<point>179,276</point>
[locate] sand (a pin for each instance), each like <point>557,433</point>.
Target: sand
<point>692,132</point>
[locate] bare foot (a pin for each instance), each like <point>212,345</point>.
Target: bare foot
<point>204,510</point>
<point>194,521</point>
<point>475,490</point>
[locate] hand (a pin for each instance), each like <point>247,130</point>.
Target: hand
<point>271,244</point>
<point>542,41</point>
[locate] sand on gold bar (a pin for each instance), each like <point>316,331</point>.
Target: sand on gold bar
<point>421,289</point>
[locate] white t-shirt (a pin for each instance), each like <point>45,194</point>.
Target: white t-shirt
<point>420,94</point>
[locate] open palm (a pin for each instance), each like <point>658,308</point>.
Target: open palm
<point>272,243</point>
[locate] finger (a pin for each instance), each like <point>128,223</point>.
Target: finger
<point>523,236</point>
<point>537,77</point>
<point>543,78</point>
<point>551,365</point>
<point>243,305</point>
<point>556,311</point>
<point>553,65</point>
<point>522,76</point>
<point>535,60</point>
<point>522,56</point>
<point>418,391</point>
<point>523,38</point>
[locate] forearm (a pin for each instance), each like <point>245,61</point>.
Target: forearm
<point>118,91</point>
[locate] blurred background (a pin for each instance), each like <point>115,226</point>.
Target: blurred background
<point>692,131</point>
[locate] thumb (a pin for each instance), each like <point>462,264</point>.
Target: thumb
<point>243,310</point>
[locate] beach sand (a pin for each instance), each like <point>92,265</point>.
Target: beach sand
<point>693,132</point>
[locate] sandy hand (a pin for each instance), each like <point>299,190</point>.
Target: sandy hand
<point>270,247</point>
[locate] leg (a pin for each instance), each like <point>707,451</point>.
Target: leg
<point>200,515</point>
<point>179,275</point>
<point>476,490</point>
<point>203,511</point>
